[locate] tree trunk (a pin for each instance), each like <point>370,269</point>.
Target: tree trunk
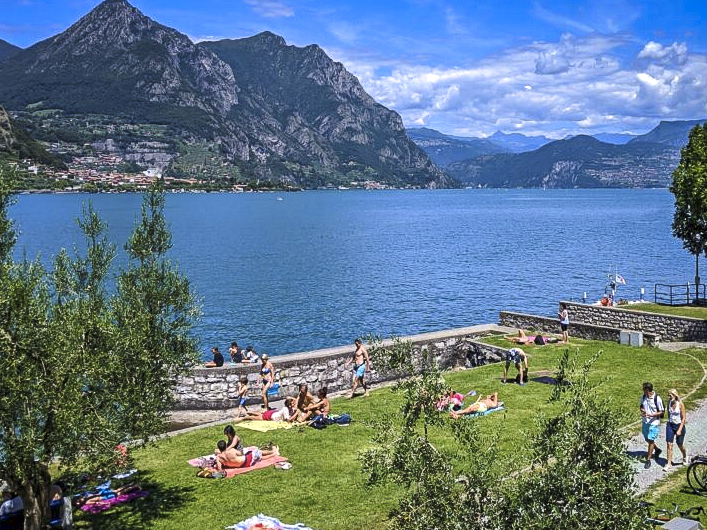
<point>35,497</point>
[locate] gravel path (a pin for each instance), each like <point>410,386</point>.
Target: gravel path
<point>695,437</point>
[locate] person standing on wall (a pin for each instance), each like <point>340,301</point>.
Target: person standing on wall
<point>652,410</point>
<point>362,364</point>
<point>564,317</point>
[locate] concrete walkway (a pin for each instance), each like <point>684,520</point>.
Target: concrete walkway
<point>695,437</point>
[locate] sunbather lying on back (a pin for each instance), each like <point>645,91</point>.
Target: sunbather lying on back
<point>283,414</point>
<point>482,405</point>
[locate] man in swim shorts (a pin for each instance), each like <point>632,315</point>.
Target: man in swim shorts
<point>362,364</point>
<point>520,359</point>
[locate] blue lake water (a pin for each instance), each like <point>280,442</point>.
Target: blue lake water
<point>300,271</point>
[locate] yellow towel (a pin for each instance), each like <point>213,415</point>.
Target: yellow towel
<point>264,425</point>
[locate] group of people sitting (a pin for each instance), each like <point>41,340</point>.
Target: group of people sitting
<point>238,355</point>
<point>299,409</point>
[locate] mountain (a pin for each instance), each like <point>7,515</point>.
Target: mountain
<point>614,138</point>
<point>671,133</point>
<point>578,162</point>
<point>272,111</point>
<point>444,150</point>
<point>518,143</point>
<point>7,49</point>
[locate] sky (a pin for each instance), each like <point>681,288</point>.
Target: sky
<point>465,67</point>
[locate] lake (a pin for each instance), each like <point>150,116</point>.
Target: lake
<point>289,272</point>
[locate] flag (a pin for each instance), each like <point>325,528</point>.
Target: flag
<point>620,279</point>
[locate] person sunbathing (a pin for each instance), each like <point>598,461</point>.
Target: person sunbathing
<point>519,338</point>
<point>230,458</point>
<point>103,495</point>
<point>283,414</point>
<point>481,405</point>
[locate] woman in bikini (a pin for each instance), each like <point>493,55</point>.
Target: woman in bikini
<point>267,374</point>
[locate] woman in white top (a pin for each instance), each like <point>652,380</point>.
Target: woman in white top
<point>675,428</point>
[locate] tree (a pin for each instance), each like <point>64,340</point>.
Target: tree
<point>449,488</point>
<point>690,189</point>
<point>583,477</point>
<point>83,371</point>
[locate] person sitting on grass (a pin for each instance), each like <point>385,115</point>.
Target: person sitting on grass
<point>304,400</point>
<point>230,458</point>
<point>234,441</point>
<point>481,405</point>
<point>321,408</point>
<point>283,414</point>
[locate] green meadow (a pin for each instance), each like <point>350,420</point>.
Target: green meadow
<point>325,488</point>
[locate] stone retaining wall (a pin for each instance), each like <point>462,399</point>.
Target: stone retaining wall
<point>214,388</point>
<point>666,328</point>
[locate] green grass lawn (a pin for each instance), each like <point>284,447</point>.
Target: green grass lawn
<point>325,488</point>
<point>677,310</point>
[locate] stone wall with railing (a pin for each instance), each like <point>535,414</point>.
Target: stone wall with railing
<point>215,388</point>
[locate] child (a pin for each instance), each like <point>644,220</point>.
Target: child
<point>241,394</point>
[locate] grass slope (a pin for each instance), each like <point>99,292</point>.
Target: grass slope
<point>325,488</point>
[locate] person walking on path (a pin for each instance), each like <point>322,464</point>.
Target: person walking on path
<point>675,428</point>
<point>564,317</point>
<point>362,364</point>
<point>652,410</point>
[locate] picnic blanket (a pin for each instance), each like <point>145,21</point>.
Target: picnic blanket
<point>104,504</point>
<point>266,523</point>
<point>209,461</point>
<point>484,413</point>
<point>264,425</point>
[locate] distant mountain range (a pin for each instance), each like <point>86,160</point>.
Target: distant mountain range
<point>646,160</point>
<point>273,111</point>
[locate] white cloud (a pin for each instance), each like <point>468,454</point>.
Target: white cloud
<point>579,85</point>
<point>271,8</point>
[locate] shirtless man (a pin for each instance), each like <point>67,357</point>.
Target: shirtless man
<point>482,405</point>
<point>230,458</point>
<point>321,407</point>
<point>304,400</point>
<point>362,364</point>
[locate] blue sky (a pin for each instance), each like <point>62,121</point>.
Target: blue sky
<point>465,67</point>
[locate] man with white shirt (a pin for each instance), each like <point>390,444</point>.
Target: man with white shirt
<point>652,410</point>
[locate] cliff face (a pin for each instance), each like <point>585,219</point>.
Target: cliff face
<point>6,136</point>
<point>265,106</point>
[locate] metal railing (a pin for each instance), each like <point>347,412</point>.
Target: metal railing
<point>681,294</point>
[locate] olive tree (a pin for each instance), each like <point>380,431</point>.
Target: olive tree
<point>443,488</point>
<point>690,189</point>
<point>83,370</point>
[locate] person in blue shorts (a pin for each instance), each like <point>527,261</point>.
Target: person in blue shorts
<point>652,410</point>
<point>520,359</point>
<point>362,364</point>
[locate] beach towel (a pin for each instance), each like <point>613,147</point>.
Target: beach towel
<point>266,523</point>
<point>484,413</point>
<point>104,504</point>
<point>264,425</point>
<point>210,462</point>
